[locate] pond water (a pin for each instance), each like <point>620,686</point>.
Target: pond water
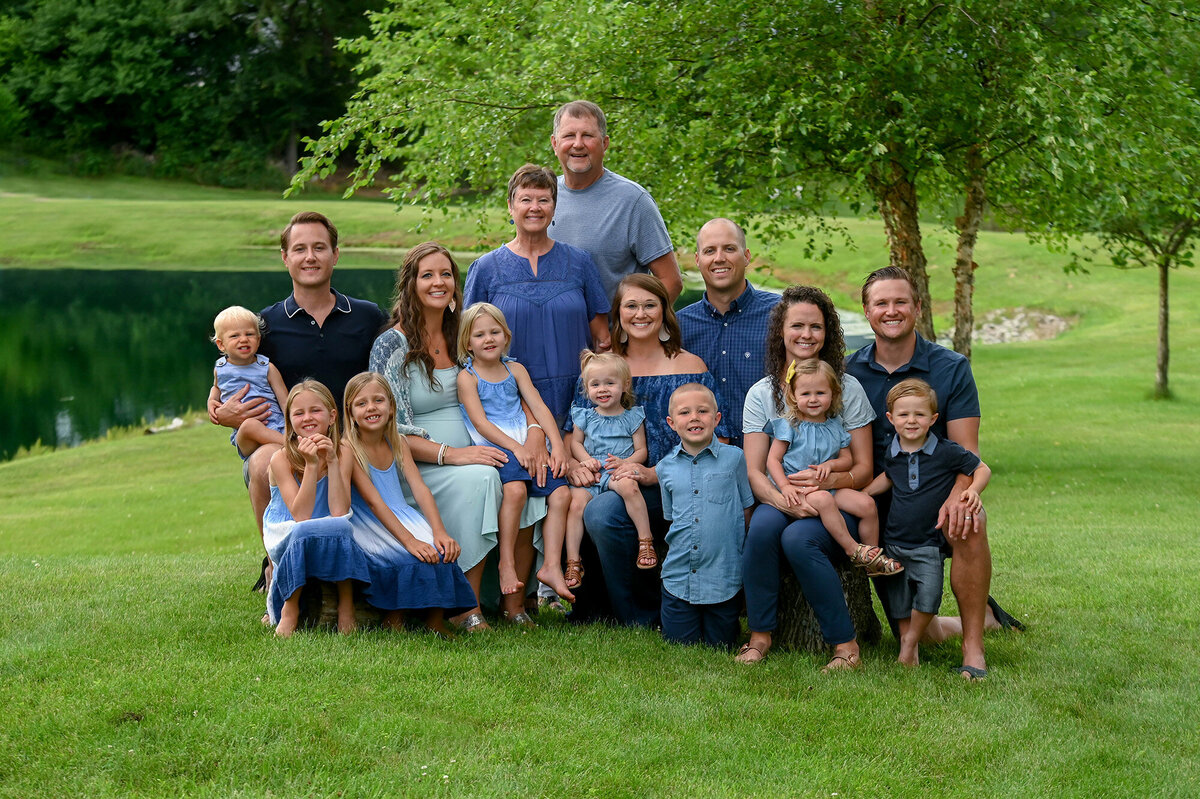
<point>85,351</point>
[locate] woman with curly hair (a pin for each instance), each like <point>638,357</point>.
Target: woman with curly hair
<point>803,327</point>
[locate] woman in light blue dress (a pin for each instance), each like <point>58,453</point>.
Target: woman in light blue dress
<point>416,354</point>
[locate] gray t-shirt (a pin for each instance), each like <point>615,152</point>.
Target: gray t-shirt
<point>616,221</point>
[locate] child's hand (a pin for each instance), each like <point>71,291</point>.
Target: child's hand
<point>593,466</point>
<point>421,551</point>
<point>611,462</point>
<point>793,495</point>
<point>446,545</point>
<point>821,471</point>
<point>524,457</point>
<point>971,499</point>
<point>309,450</point>
<point>558,463</point>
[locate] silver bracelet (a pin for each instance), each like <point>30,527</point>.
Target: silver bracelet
<point>442,454</point>
<point>538,426</point>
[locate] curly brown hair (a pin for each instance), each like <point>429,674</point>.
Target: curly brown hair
<point>833,352</point>
<point>408,314</point>
<point>638,280</point>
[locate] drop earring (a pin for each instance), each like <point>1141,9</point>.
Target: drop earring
<point>663,335</point>
<point>624,337</point>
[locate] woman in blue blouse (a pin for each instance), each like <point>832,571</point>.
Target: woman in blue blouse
<point>550,292</point>
<point>644,333</point>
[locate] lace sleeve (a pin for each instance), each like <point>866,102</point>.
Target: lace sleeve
<point>387,358</point>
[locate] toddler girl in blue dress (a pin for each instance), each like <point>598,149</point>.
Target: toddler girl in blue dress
<point>608,434</point>
<point>810,436</point>
<point>410,555</point>
<point>491,389</point>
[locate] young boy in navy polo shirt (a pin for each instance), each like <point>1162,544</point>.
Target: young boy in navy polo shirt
<point>706,498</point>
<point>921,469</point>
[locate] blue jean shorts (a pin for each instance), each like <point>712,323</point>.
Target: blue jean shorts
<point>919,586</point>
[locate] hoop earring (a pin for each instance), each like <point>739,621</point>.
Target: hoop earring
<point>663,335</point>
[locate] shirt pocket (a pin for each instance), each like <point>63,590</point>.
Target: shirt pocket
<point>719,487</point>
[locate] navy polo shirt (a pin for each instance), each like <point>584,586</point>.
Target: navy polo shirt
<point>948,372</point>
<point>732,346</point>
<point>331,353</point>
<point>921,483</point>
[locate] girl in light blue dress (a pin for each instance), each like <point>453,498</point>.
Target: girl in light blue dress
<point>608,434</point>
<point>306,526</point>
<point>411,557</point>
<point>491,389</point>
<point>808,438</point>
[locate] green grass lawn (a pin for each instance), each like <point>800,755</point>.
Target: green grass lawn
<point>132,661</point>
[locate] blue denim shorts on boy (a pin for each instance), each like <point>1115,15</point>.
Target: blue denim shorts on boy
<point>919,586</point>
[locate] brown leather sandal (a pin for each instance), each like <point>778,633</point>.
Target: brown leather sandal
<point>646,553</point>
<point>573,574</point>
<point>849,662</point>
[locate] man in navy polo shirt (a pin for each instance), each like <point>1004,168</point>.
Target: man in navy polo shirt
<point>898,353</point>
<point>316,332</point>
<point>727,327</point>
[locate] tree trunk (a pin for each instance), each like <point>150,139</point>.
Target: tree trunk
<point>1161,389</point>
<point>798,628</point>
<point>964,260</point>
<point>896,195</point>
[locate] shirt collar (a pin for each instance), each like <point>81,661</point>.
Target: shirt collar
<point>712,449</point>
<point>741,303</point>
<point>919,359</point>
<point>928,448</point>
<point>340,303</point>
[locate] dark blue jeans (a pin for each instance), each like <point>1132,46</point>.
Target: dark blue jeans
<point>810,551</point>
<point>686,623</point>
<point>633,595</point>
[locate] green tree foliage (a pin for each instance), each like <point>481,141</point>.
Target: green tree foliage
<point>214,87</point>
<point>1141,190</point>
<point>733,107</point>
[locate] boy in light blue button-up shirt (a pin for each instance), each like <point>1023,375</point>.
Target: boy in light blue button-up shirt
<point>706,498</point>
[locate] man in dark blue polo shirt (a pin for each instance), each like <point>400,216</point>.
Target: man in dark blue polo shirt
<point>316,332</point>
<point>899,352</point>
<point>727,327</point>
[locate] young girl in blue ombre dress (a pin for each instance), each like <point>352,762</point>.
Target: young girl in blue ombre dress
<point>609,433</point>
<point>491,389</point>
<point>410,555</point>
<point>305,527</point>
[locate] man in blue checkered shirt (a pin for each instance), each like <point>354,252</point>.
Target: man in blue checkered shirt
<point>727,327</point>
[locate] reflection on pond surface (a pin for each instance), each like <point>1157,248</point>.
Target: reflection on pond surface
<point>86,350</point>
<point>89,350</point>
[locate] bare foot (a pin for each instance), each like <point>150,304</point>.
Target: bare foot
<point>909,658</point>
<point>554,578</point>
<point>346,621</point>
<point>509,583</point>
<point>437,625</point>
<point>394,620</point>
<point>289,617</point>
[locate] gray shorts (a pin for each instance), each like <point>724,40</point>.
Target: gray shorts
<point>919,586</point>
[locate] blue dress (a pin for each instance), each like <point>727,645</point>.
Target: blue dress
<point>548,313</point>
<point>809,442</point>
<point>399,581</point>
<point>607,435</point>
<point>502,406</point>
<point>321,548</point>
